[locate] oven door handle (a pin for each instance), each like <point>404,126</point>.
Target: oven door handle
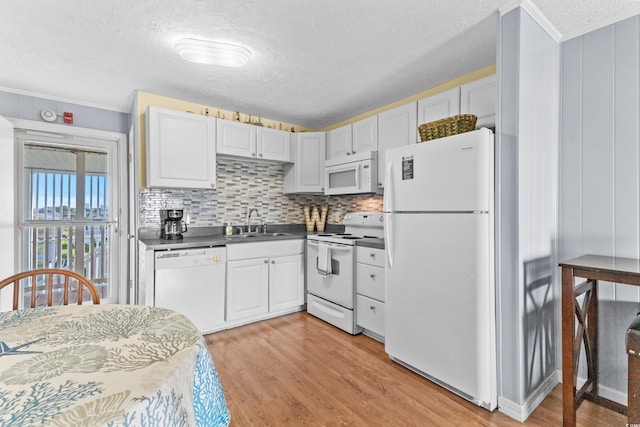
<point>333,247</point>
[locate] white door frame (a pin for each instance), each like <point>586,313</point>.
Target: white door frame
<point>121,213</point>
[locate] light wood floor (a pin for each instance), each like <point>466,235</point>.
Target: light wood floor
<point>296,370</point>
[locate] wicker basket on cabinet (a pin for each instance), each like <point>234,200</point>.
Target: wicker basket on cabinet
<point>446,127</point>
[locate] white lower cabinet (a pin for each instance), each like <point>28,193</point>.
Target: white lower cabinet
<point>264,278</point>
<point>370,315</point>
<point>286,275</point>
<point>247,288</point>
<point>370,289</point>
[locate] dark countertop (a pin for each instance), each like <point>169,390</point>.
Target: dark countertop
<point>158,244</point>
<point>187,242</point>
<point>214,236</point>
<point>371,243</point>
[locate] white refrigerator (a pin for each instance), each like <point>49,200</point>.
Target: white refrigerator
<point>440,280</point>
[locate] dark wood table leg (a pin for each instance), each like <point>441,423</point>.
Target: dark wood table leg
<point>592,331</point>
<point>568,333</point>
<point>633,414</point>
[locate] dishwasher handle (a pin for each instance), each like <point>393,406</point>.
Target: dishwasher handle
<point>190,258</point>
<point>180,254</point>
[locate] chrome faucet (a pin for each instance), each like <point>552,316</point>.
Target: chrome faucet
<point>252,210</point>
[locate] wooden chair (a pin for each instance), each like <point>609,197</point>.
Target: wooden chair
<point>50,273</point>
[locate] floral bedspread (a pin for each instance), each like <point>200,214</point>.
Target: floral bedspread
<point>106,365</point>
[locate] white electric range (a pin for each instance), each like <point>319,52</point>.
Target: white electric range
<point>331,259</point>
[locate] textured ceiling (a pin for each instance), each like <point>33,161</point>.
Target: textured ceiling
<point>314,63</point>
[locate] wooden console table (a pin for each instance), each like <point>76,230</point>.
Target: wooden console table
<point>585,331</point>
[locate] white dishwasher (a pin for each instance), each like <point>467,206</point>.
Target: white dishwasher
<point>192,282</point>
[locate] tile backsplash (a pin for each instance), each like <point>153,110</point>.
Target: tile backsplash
<point>242,185</point>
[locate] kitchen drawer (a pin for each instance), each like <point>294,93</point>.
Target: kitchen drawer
<point>370,314</point>
<point>237,251</point>
<point>332,313</point>
<point>371,256</point>
<point>370,281</point>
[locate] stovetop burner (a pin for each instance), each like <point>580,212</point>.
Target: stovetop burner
<point>358,226</point>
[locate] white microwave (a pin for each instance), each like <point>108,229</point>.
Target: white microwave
<point>356,174</point>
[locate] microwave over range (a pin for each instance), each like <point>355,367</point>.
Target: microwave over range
<point>356,174</point>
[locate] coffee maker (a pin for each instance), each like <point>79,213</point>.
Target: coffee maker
<point>171,224</point>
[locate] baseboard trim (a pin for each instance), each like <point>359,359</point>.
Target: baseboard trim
<point>522,412</point>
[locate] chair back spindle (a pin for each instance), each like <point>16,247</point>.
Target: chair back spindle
<point>50,274</point>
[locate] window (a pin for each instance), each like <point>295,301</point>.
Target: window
<point>66,216</point>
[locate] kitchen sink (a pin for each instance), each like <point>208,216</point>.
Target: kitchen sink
<point>256,235</point>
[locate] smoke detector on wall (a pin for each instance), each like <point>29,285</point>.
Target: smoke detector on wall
<point>48,115</point>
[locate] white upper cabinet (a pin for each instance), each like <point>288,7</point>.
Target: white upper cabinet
<point>365,135</point>
<point>249,141</point>
<point>306,174</point>
<point>180,149</point>
<point>396,127</point>
<point>354,138</point>
<point>273,144</point>
<point>439,106</point>
<point>479,98</point>
<point>339,142</point>
<point>236,139</point>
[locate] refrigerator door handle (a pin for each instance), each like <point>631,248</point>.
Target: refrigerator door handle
<point>388,204</point>
<point>387,201</point>
<point>388,238</point>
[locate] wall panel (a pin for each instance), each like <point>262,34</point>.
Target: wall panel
<point>626,152</point>
<point>600,171</point>
<point>570,151</point>
<point>597,142</point>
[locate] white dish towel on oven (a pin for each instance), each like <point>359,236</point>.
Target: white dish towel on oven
<point>324,259</point>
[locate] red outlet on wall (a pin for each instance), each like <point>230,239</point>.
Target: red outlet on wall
<point>68,117</point>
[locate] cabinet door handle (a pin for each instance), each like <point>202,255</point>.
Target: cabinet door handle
<point>372,275</point>
<point>353,152</point>
<point>372,255</point>
<point>273,261</point>
<point>348,153</point>
<point>253,154</point>
<point>372,307</point>
<point>260,155</point>
<point>266,261</point>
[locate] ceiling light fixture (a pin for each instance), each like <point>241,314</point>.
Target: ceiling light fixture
<point>213,53</point>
